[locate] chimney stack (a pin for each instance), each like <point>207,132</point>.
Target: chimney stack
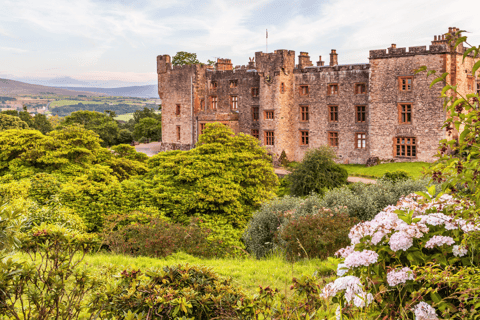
<point>333,58</point>
<point>394,45</point>
<point>320,63</point>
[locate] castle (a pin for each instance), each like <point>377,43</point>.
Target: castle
<point>380,109</point>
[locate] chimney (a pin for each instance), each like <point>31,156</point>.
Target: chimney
<point>304,60</point>
<point>320,63</point>
<point>333,58</point>
<point>394,46</point>
<point>224,64</point>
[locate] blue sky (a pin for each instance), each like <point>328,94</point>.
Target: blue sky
<point>119,39</point>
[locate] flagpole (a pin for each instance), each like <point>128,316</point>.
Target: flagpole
<point>266,41</point>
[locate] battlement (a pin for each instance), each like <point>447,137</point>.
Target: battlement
<point>336,68</point>
<point>403,52</point>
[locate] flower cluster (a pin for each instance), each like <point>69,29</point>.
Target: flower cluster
<point>424,311</point>
<point>363,258</point>
<point>353,291</point>
<point>399,277</point>
<point>439,241</point>
<point>459,251</point>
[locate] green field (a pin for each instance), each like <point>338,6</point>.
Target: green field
<point>124,117</point>
<point>61,103</point>
<point>415,169</point>
<point>248,273</point>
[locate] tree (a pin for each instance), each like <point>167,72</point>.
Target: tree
<point>146,113</point>
<point>11,122</point>
<point>41,123</point>
<point>100,123</point>
<point>227,176</point>
<point>317,172</point>
<point>183,58</point>
<point>149,128</point>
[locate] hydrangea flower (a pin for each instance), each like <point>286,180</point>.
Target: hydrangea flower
<point>459,251</point>
<point>399,277</point>
<point>439,241</point>
<point>424,311</point>
<point>400,241</point>
<point>361,258</point>
<point>345,252</point>
<point>362,300</point>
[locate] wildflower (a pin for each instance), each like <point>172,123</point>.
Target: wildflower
<point>399,277</point>
<point>424,311</point>
<point>439,241</point>
<point>459,251</point>
<point>400,241</point>
<point>363,258</point>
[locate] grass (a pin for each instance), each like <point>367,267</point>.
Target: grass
<point>124,117</point>
<point>414,169</point>
<point>61,103</point>
<point>248,273</point>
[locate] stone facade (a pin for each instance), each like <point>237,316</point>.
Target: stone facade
<point>381,109</point>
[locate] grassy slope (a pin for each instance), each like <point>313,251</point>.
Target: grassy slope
<point>124,117</point>
<point>359,170</point>
<point>248,273</point>
<point>61,103</point>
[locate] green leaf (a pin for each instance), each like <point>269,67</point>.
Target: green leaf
<point>430,72</point>
<point>463,134</point>
<point>431,191</point>
<point>421,69</point>
<point>465,54</point>
<point>460,40</point>
<point>435,297</point>
<point>475,67</point>
<point>441,78</point>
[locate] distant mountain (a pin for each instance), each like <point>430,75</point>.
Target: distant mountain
<point>12,87</point>
<point>150,91</point>
<point>67,82</point>
<point>63,81</point>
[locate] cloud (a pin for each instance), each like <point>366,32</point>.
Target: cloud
<point>14,50</point>
<point>120,76</point>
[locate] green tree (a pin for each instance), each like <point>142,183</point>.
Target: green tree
<point>183,58</point>
<point>146,113</point>
<point>227,175</point>
<point>11,122</point>
<point>100,123</point>
<point>149,128</point>
<point>317,172</point>
<point>41,123</point>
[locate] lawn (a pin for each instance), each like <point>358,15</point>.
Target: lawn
<point>248,273</point>
<point>124,117</point>
<point>414,169</point>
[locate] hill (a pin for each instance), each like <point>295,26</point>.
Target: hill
<point>13,88</point>
<point>149,91</point>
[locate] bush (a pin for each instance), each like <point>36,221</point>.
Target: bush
<point>396,176</point>
<point>316,235</point>
<point>177,292</point>
<point>159,238</point>
<point>364,201</point>
<point>317,172</point>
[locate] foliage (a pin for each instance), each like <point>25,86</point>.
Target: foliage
<point>118,108</point>
<point>317,235</point>
<point>364,201</point>
<point>176,292</point>
<point>124,136</point>
<point>50,285</point>
<point>317,172</point>
<point>284,187</point>
<point>184,58</point>
<point>149,128</point>
<point>283,159</point>
<point>159,238</point>
<point>396,176</point>
<point>226,175</point>
<point>41,123</point>
<point>10,224</point>
<point>414,169</point>
<point>11,122</point>
<point>100,123</point>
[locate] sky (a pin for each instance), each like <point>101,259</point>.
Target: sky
<point>118,40</point>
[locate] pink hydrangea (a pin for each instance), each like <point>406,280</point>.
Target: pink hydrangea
<point>400,241</point>
<point>361,258</point>
<point>459,251</point>
<point>439,241</point>
<point>350,284</point>
<point>399,277</point>
<point>424,311</point>
<point>362,300</point>
<point>345,252</point>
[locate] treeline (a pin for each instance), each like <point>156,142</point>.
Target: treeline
<point>3,99</point>
<point>121,108</point>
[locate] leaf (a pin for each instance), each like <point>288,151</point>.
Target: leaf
<point>468,51</point>
<point>435,297</point>
<point>431,191</point>
<point>421,69</point>
<point>441,78</point>
<point>430,72</point>
<point>475,67</point>
<point>460,40</point>
<point>463,134</point>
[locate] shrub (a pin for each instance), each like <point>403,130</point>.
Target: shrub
<point>316,235</point>
<point>177,292</point>
<point>364,201</point>
<point>317,172</point>
<point>159,238</point>
<point>396,176</point>
<point>43,187</point>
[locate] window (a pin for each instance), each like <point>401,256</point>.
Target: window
<point>202,104</point>
<point>255,133</point>
<point>282,87</point>
<point>333,139</point>
<point>405,147</point>
<point>254,92</point>
<point>177,110</point>
<point>178,133</point>
<point>234,102</point>
<point>233,83</point>
<point>214,102</point>
<point>361,114</point>
<point>213,85</point>
<point>405,83</point>
<point>360,88</point>
<point>255,113</point>
<point>303,113</point>
<point>304,138</point>
<point>303,90</point>
<point>405,113</point>
<point>202,127</point>
<point>269,138</point>
<point>470,83</point>
<point>333,111</point>
<point>332,89</point>
<point>269,115</point>
<point>360,140</point>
